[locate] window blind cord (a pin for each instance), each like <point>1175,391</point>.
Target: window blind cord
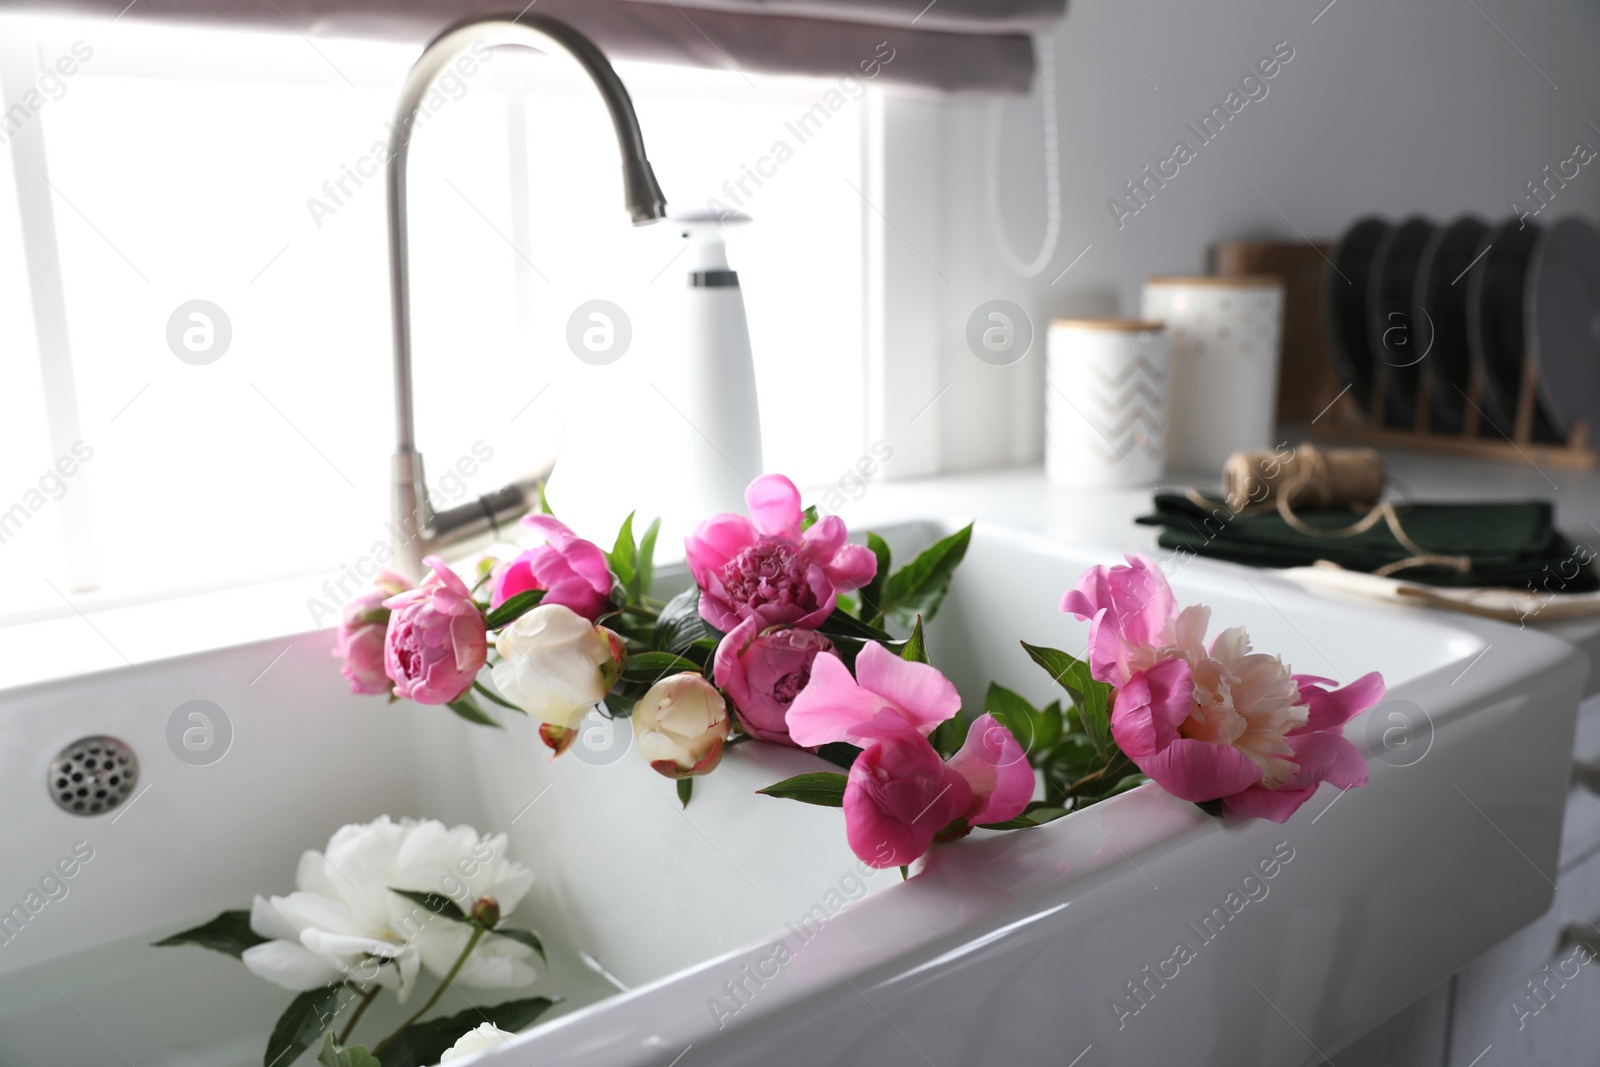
<point>1044,48</point>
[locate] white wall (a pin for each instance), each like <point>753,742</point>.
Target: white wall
<point>1418,106</point>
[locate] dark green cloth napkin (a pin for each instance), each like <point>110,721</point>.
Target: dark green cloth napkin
<point>1511,544</point>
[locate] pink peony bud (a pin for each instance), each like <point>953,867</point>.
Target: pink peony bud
<point>362,626</point>
<point>762,672</point>
<point>436,642</point>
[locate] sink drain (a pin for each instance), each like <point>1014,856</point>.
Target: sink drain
<point>93,775</point>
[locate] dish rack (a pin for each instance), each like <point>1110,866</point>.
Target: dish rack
<point>1478,438</point>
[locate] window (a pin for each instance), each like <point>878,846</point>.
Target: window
<point>239,170</point>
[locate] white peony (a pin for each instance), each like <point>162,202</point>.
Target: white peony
<point>345,922</point>
<point>555,664</point>
<point>485,1037</point>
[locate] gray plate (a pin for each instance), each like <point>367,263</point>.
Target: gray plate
<point>1562,311</point>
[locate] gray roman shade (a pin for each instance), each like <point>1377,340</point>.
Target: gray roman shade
<point>947,45</point>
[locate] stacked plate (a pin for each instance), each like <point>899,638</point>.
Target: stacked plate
<point>1415,311</point>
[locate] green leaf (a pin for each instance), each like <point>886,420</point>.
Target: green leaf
<point>306,1017</point>
<point>437,903</point>
<point>423,1044</point>
<point>228,933</point>
<point>1028,819</point>
<point>840,624</point>
<point>916,649</point>
<point>1031,727</point>
<point>513,609</point>
<point>1212,808</point>
<point>920,586</point>
<point>495,698</point>
<point>619,705</point>
<point>1093,698</point>
<point>839,753</point>
<point>651,667</point>
<point>679,626</point>
<point>685,790</point>
<point>646,571</point>
<point>872,592</point>
<point>468,709</point>
<point>808,518</point>
<point>544,502</point>
<point>526,937</point>
<point>624,558</point>
<point>824,788</point>
<point>334,1056</point>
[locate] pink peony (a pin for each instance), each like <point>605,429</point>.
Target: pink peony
<point>900,794</point>
<point>362,626</point>
<point>1218,722</point>
<point>436,641</point>
<point>765,567</point>
<point>572,572</point>
<point>762,673</point>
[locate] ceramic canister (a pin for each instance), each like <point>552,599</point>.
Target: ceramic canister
<point>1105,402</point>
<point>1223,335</point>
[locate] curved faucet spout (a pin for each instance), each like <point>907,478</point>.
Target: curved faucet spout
<point>417,529</point>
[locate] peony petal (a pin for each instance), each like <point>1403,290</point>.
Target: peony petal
<point>822,590</point>
<point>1327,757</point>
<point>1273,804</point>
<point>853,566</point>
<point>267,921</point>
<point>997,769</point>
<point>290,965</point>
<point>1197,771</point>
<point>899,796</point>
<point>924,696</point>
<point>714,542</point>
<point>1147,710</point>
<point>824,540</point>
<point>442,575</point>
<point>774,506</point>
<point>832,707</point>
<point>1332,709</point>
<point>515,578</point>
<point>727,670</point>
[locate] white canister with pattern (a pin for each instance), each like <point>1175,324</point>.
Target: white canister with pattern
<point>1223,336</point>
<point>1105,402</point>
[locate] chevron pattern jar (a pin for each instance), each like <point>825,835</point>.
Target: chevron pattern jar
<point>1105,402</point>
<point>1224,335</point>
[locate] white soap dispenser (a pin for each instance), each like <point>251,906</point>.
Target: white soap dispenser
<point>719,388</point>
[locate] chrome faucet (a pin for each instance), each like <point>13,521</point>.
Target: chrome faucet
<point>417,528</point>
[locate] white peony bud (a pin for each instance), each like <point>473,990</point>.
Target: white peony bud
<point>681,724</point>
<point>556,665</point>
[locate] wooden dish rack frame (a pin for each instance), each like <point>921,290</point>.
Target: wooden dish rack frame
<point>1479,437</point>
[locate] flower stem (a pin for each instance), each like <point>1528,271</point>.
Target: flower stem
<point>349,1027</point>
<point>472,943</point>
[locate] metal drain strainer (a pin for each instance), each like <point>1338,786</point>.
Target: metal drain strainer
<point>93,775</point>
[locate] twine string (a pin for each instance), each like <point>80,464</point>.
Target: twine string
<point>1256,483</point>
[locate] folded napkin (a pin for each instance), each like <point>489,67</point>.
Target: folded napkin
<point>1509,544</point>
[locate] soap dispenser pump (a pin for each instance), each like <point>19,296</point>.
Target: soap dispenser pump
<point>720,377</point>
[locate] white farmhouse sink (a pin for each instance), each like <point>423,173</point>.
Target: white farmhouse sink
<point>1007,949</point>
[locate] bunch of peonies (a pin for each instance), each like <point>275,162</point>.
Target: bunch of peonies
<point>901,795</point>
<point>1216,722</point>
<point>346,922</point>
<point>767,584</point>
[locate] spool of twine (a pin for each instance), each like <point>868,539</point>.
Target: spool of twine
<point>1312,479</point>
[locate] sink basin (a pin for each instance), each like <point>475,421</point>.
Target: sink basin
<point>664,925</point>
